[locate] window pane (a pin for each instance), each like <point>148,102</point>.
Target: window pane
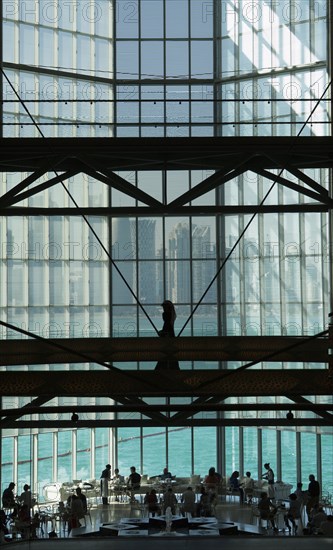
<point>65,456</point>
<point>101,450</point>
<point>154,451</point>
<point>45,459</point>
<point>129,442</point>
<point>180,451</point>
<point>288,458</point>
<point>231,450</point>
<point>151,19</point>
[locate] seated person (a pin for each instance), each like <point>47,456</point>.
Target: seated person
<point>26,497</point>
<point>83,498</point>
<point>188,502</point>
<point>117,478</point>
<point>293,513</point>
<point>75,513</point>
<point>326,527</point>
<point>211,480</point>
<point>166,475</point>
<point>204,505</point>
<point>267,509</point>
<point>317,519</point>
<point>8,499</point>
<point>134,480</point>
<point>3,524</point>
<point>23,521</point>
<point>247,485</point>
<point>151,502</point>
<point>169,499</point>
<point>235,485</point>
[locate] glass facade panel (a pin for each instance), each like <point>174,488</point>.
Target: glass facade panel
<point>231,450</point>
<point>165,69</point>
<point>308,442</point>
<point>45,455</point>
<point>288,457</point>
<point>179,444</point>
<point>101,450</point>
<point>153,439</point>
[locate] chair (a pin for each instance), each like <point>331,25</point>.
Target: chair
<point>233,493</point>
<point>299,519</point>
<point>51,492</point>
<point>46,516</point>
<point>256,518</point>
<point>87,514</point>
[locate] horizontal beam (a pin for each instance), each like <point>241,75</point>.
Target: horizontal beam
<point>199,348</point>
<point>116,423</point>
<point>200,153</point>
<point>169,383</point>
<point>143,408</point>
<point>165,210</point>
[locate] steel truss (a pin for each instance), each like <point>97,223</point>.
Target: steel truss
<point>227,158</point>
<point>100,158</point>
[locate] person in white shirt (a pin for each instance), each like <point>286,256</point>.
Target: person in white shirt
<point>248,487</point>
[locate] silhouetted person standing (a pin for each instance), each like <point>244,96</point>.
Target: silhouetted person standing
<point>105,478</point>
<point>269,475</point>
<point>313,494</point>
<point>169,316</point>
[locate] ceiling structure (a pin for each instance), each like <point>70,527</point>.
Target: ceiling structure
<point>227,158</point>
<point>132,390</point>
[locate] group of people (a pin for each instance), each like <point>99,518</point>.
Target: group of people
<point>318,521</point>
<point>132,484</point>
<point>20,507</point>
<point>9,500</point>
<point>187,503</point>
<point>19,511</point>
<point>74,510</point>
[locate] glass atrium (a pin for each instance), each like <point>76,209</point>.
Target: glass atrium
<point>165,69</point>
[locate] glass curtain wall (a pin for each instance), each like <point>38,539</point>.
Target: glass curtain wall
<point>165,68</point>
<point>58,65</point>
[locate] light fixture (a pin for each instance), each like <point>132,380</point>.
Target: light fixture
<point>74,417</point>
<point>289,416</point>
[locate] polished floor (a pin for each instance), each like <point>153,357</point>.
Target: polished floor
<point>249,536</point>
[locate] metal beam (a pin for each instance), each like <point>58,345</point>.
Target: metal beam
<point>187,348</point>
<point>115,181</point>
<point>192,408</point>
<point>50,164</point>
<point>39,188</point>
<point>308,181</point>
<point>183,383</point>
<point>164,210</point>
<point>210,183</point>
<point>201,153</point>
<point>168,422</point>
<point>294,186</point>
